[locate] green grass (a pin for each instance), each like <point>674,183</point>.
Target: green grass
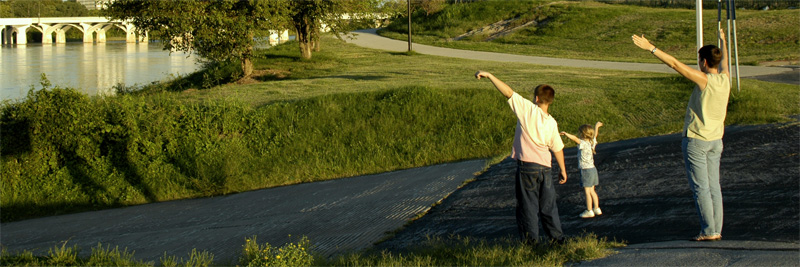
<point>464,251</point>
<point>597,31</point>
<point>68,256</point>
<point>349,111</point>
<point>65,152</point>
<point>436,251</point>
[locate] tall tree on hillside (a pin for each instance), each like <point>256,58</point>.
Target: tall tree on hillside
<point>217,30</point>
<point>309,17</point>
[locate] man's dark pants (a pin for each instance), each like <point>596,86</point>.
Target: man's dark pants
<point>536,198</point>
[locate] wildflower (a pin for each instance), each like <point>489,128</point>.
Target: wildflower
<point>278,257</point>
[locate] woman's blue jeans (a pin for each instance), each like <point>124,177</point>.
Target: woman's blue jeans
<point>702,168</point>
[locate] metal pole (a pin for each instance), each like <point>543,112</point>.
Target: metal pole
<point>729,35</point>
<point>735,44</point>
<point>719,21</point>
<point>409,25</point>
<point>699,22</point>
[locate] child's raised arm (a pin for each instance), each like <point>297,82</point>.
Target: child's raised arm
<point>597,130</point>
<point>500,85</point>
<point>572,137</point>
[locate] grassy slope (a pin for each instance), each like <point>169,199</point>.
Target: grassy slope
<point>331,114</point>
<point>624,99</point>
<point>591,30</point>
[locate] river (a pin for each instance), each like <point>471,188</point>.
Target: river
<point>90,68</point>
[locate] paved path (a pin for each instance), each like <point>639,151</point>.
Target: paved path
<point>368,38</point>
<point>687,253</point>
<point>337,216</point>
<point>646,201</point>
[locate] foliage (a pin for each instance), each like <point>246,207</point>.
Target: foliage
<point>740,4</point>
<point>465,251</point>
<point>393,8</point>
<point>68,256</point>
<point>5,10</point>
<point>459,18</point>
<point>561,30</point>
<point>100,256</point>
<point>63,151</point>
<point>196,258</point>
<point>431,6</point>
<point>41,8</point>
<point>216,30</point>
<point>289,254</point>
<point>308,17</point>
<point>436,251</point>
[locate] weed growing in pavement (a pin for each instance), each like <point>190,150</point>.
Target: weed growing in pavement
<point>196,258</point>
<point>64,255</point>
<point>290,254</point>
<point>465,251</point>
<point>436,251</point>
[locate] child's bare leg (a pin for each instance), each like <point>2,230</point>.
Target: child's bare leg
<point>595,200</point>
<point>589,198</point>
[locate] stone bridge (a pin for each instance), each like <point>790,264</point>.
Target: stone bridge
<point>14,30</point>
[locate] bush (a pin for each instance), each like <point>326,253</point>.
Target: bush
<point>290,254</point>
<point>65,152</point>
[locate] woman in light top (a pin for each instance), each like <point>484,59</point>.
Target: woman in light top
<point>703,129</point>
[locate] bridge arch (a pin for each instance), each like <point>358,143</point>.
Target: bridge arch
<point>14,30</point>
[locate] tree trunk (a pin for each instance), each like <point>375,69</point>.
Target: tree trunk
<point>247,67</point>
<point>305,50</point>
<point>317,40</point>
<point>304,37</point>
<point>247,64</point>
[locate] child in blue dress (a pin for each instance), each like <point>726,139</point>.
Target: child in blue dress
<point>589,179</point>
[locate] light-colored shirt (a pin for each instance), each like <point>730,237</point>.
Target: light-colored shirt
<point>585,155</point>
<point>536,132</point>
<point>705,114</point>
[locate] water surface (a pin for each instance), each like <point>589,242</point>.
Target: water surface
<point>90,68</point>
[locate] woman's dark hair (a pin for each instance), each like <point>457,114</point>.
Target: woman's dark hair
<point>711,54</point>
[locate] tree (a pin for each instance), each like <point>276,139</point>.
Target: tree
<point>217,30</point>
<point>41,8</point>
<point>307,17</point>
<point>5,10</point>
<point>431,6</point>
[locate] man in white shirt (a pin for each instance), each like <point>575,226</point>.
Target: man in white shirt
<point>535,137</point>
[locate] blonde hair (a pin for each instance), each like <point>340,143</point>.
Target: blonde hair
<point>586,132</point>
